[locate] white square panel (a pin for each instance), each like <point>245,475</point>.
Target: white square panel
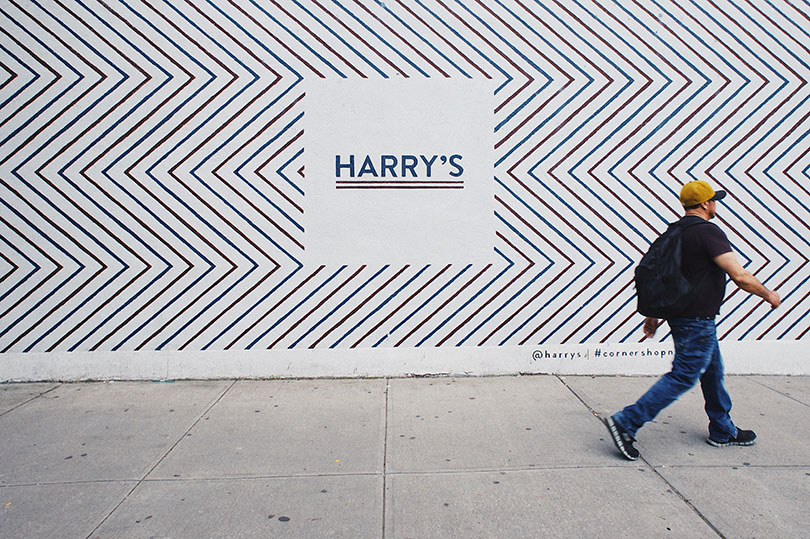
<point>399,171</point>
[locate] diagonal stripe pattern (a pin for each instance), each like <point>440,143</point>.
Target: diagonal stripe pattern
<point>153,168</point>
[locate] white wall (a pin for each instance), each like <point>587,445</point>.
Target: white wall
<point>173,202</point>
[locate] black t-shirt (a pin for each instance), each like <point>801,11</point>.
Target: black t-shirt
<point>701,243</point>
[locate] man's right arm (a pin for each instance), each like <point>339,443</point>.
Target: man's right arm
<point>745,279</point>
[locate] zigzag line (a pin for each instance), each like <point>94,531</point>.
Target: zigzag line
<point>194,173</point>
<point>727,153</point>
<point>62,174</point>
<point>106,175</point>
<point>639,125</point>
<point>15,172</point>
<point>790,195</point>
<point>748,171</point>
<point>603,111</point>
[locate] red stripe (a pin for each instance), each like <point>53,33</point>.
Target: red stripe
<point>440,36</point>
<point>401,305</point>
<point>318,306</point>
<point>530,264</point>
<point>267,313</point>
<point>363,41</point>
<point>551,243</point>
<point>276,38</point>
<point>307,29</point>
<point>359,306</point>
<point>498,51</point>
<point>444,304</point>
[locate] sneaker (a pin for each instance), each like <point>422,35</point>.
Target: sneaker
<point>744,437</point>
<point>624,442</point>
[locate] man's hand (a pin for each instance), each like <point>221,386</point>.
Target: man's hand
<point>774,299</point>
<point>650,325</point>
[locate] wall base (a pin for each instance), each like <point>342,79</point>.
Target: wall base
<point>777,357</point>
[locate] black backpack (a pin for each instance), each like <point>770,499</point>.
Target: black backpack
<point>661,288</point>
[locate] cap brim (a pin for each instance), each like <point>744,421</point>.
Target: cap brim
<point>718,195</point>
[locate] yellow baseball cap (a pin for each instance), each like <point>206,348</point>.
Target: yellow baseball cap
<point>698,192</point>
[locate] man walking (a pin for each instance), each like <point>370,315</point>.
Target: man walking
<point>706,260</point>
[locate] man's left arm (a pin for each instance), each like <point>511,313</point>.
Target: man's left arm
<point>745,279</point>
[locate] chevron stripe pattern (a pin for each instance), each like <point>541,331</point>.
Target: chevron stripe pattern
<point>153,180</point>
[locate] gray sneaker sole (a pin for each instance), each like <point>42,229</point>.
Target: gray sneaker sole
<point>727,444</point>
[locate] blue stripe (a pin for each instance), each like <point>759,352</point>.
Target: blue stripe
<point>380,306</point>
<point>193,173</point>
<point>35,77</point>
<point>375,34</point>
<point>420,37</point>
<point>564,105</point>
<point>472,298</point>
<point>298,39</point>
<point>284,165</point>
<point>288,313</point>
<point>328,29</point>
<point>339,305</point>
<point>492,30</point>
<point>430,299</point>
<point>24,279</point>
<point>48,200</point>
<point>55,244</point>
<point>61,173</point>
<point>32,120</point>
<point>535,247</point>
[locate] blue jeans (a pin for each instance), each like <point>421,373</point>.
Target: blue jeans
<point>697,357</point>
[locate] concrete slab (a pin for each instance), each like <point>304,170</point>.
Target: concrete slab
<point>539,503</point>
<point>748,501</point>
<point>13,395</point>
<point>58,510</point>
<point>677,437</point>
<point>509,456</point>
<point>286,427</point>
<point>510,422</point>
<point>99,431</point>
<point>294,507</point>
<point>795,387</point>
<point>678,430</point>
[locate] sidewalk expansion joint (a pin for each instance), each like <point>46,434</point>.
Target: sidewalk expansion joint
<point>787,396</point>
<point>63,483</point>
<point>522,469</point>
<point>577,395</point>
<point>385,453</point>
<point>683,498</point>
<point>258,477</point>
<point>648,464</point>
<point>163,457</point>
<point>35,397</point>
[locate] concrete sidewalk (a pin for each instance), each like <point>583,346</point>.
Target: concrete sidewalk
<point>416,457</point>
